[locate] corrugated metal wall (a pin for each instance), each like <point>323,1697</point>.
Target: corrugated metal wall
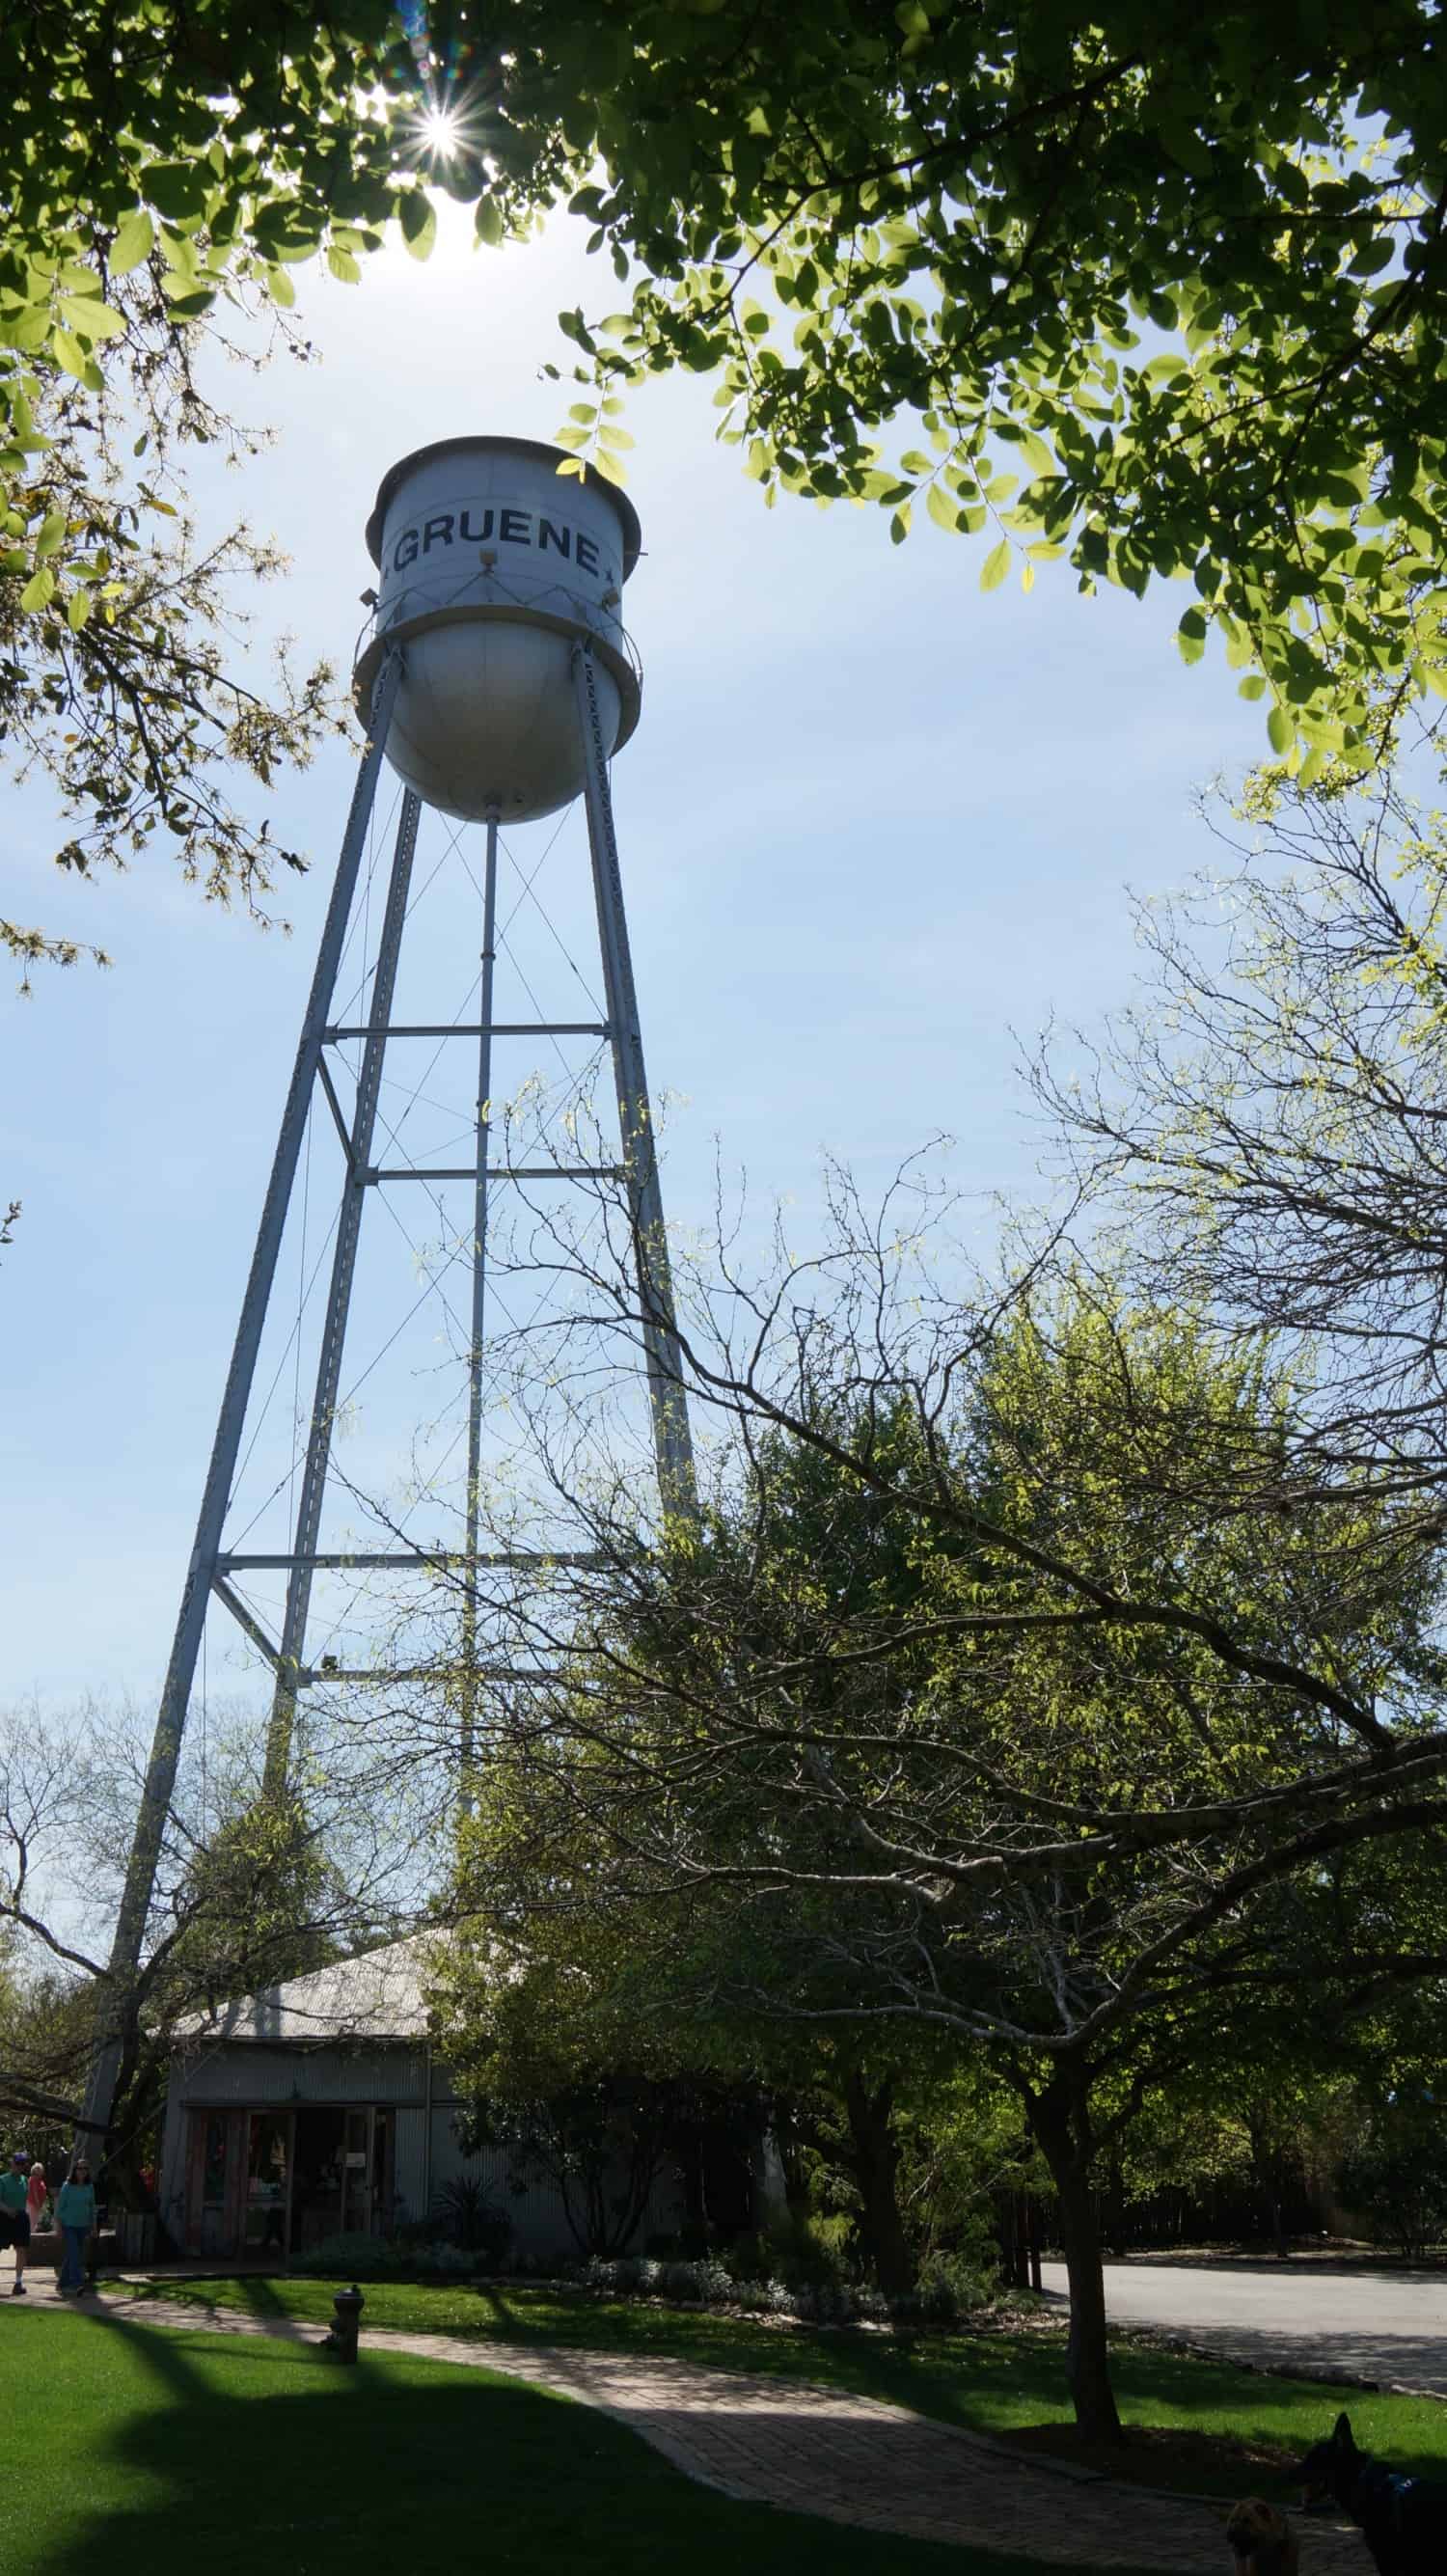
<point>286,2075</point>
<point>409,2172</point>
<point>258,2076</point>
<point>540,2227</point>
<point>172,2190</point>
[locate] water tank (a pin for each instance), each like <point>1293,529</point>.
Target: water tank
<point>493,566</point>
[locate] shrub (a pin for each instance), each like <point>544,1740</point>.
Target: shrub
<point>949,2286</point>
<point>374,2258</point>
<point>767,2277</point>
<point>1396,2178</point>
<point>469,2219</point>
<point>804,2253</point>
<point>361,2258</point>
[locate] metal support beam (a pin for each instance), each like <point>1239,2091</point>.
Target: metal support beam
<point>334,1105</point>
<point>506,1172</point>
<point>347,1560</point>
<point>476,1029</point>
<point>328,1672</point>
<point>334,1330</point>
<point>468,1729</point>
<point>244,1619</point>
<point>672,1441</point>
<point>160,1780</point>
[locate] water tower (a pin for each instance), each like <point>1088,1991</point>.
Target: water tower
<point>497,681</point>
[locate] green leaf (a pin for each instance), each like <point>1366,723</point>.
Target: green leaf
<point>50,536</point>
<point>899,524</point>
<point>418,219</point>
<point>76,361</point>
<point>489,226</point>
<point>26,330</point>
<point>995,566</point>
<point>39,592</point>
<point>1280,731</point>
<point>343,266</point>
<point>135,240</point>
<point>96,321</point>
<point>77,610</point>
<point>280,288</point>
<point>177,188</point>
<point>944,512</point>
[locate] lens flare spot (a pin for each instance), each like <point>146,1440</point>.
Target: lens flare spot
<point>440,129</point>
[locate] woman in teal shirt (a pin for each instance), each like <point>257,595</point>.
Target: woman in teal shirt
<point>75,2209</point>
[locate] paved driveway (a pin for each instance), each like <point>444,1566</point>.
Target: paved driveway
<point>1387,2325</point>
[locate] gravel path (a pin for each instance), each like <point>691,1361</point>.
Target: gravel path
<point>822,2451</point>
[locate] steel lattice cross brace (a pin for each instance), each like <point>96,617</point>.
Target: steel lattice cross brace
<point>497,683</point>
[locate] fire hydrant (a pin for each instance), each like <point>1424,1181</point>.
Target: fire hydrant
<point>347,2306</point>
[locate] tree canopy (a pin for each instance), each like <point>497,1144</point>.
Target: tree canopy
<point>1164,297</point>
<point>1001,1704</point>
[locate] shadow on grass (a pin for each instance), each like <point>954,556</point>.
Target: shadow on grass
<point>226,2454</point>
<point>990,2383</point>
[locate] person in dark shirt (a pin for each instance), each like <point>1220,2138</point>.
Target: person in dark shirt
<point>15,2217</point>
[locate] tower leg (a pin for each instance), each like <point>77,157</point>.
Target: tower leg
<point>160,1780</point>
<point>339,1299</point>
<point>673,1445</point>
<point>479,1309</point>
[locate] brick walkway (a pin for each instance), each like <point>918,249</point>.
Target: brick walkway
<point>822,2451</point>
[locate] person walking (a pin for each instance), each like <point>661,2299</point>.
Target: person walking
<point>15,2217</point>
<point>37,2192</point>
<point>75,2211</point>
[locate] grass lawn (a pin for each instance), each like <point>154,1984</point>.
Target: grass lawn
<point>134,2451</point>
<point>1219,2430</point>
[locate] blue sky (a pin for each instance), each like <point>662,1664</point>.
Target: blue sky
<point>872,823</point>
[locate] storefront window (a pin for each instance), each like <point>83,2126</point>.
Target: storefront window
<point>213,2162</point>
<point>268,2165</point>
<point>382,2186</point>
<point>319,2181</point>
<point>356,2212</point>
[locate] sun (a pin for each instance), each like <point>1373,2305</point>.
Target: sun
<point>439,131</point>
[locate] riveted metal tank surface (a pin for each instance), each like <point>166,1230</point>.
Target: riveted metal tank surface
<point>493,568</point>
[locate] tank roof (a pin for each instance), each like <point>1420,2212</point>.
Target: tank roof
<point>534,447</point>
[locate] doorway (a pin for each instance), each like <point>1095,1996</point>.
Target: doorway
<point>273,2184</point>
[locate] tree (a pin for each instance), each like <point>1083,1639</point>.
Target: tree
<point>1083,1796</point>
<point>563,2074</point>
<point>251,1890</point>
<point>122,671</point>
<point>956,218</point>
<point>590,2057</point>
<point>948,217</point>
<point>1263,1132</point>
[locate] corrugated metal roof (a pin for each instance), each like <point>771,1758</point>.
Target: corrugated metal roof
<point>376,1996</point>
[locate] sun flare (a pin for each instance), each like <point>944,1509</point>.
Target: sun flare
<point>440,132</point>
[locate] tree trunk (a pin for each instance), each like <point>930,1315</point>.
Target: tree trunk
<point>875,2160</point>
<point>1060,2118</point>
